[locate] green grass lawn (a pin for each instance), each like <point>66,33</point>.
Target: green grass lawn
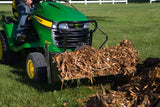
<point>139,23</point>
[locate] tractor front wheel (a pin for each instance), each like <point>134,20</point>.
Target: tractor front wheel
<point>36,67</point>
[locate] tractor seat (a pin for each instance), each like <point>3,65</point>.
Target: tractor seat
<point>14,8</point>
<point>8,20</point>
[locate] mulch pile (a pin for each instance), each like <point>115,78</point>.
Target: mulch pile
<point>141,79</point>
<point>142,90</point>
<point>89,62</point>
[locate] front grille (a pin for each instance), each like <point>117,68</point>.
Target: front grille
<point>74,36</point>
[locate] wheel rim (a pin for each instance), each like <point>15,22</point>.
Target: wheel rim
<point>1,50</point>
<point>30,69</point>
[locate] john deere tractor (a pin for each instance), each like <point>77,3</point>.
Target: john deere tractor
<point>55,28</point>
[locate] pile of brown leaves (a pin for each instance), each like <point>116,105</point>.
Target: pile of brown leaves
<point>142,90</point>
<point>144,87</point>
<point>89,62</point>
<point>140,80</point>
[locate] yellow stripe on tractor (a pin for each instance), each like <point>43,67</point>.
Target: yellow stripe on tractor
<point>43,21</point>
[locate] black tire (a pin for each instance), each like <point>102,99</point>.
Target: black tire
<point>36,67</point>
<point>5,53</point>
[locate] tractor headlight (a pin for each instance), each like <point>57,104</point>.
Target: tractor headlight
<point>63,26</point>
<point>86,25</point>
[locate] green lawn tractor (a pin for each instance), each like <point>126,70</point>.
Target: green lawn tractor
<point>55,28</point>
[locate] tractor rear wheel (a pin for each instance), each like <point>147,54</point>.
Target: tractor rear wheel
<point>36,67</point>
<point>5,53</point>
